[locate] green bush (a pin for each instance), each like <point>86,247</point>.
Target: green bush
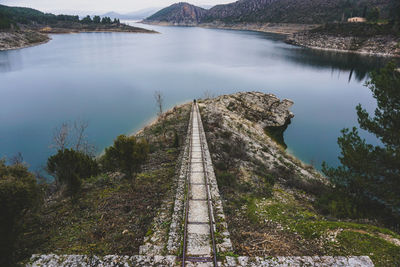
<point>69,167</point>
<point>226,179</point>
<point>126,155</point>
<point>19,193</point>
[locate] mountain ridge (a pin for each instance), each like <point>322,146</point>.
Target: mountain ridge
<point>272,11</point>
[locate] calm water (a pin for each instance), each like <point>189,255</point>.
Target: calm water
<point>109,79</point>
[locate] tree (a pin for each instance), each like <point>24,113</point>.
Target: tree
<point>87,20</point>
<point>116,21</point>
<point>73,136</point>
<point>126,155</point>
<point>159,102</point>
<point>19,194</point>
<point>370,172</point>
<point>106,20</point>
<point>69,167</point>
<point>96,19</point>
<point>373,14</point>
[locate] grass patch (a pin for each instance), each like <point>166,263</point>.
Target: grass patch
<point>381,252</point>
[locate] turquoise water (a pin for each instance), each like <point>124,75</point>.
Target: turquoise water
<point>109,80</point>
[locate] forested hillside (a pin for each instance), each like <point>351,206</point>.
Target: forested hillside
<point>13,15</point>
<point>282,11</point>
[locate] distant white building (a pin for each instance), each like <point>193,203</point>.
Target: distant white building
<point>356,19</point>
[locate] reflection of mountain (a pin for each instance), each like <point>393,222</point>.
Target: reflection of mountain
<point>357,65</point>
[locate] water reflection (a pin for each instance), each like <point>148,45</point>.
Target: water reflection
<point>4,62</point>
<point>10,61</point>
<point>354,65</point>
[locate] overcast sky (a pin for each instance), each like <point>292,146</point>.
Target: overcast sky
<point>93,6</point>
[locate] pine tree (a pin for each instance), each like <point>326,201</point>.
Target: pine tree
<point>368,171</point>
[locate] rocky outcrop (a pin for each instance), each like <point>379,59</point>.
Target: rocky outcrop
<point>264,109</point>
<point>19,39</point>
<point>384,45</point>
<point>254,121</point>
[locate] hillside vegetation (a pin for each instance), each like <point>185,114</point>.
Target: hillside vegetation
<point>277,11</point>
<point>96,206</point>
<point>13,15</point>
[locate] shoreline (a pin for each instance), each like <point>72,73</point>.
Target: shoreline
<point>25,46</point>
<point>364,53</point>
<point>23,42</point>
<point>380,45</point>
<point>276,28</point>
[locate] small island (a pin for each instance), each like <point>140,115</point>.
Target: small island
<point>23,27</point>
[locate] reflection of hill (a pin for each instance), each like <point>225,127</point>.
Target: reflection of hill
<point>357,65</point>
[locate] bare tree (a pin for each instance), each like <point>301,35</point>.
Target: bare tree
<point>207,94</point>
<point>67,136</point>
<point>81,139</point>
<point>17,159</point>
<point>159,102</point>
<point>60,137</point>
<point>79,129</point>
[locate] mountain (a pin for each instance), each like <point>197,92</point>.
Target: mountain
<point>180,13</point>
<point>282,11</point>
<point>137,15</point>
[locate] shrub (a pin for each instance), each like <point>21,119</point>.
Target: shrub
<point>69,167</point>
<point>176,139</point>
<point>126,155</point>
<point>19,193</point>
<point>226,179</point>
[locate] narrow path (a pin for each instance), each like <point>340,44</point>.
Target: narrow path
<point>199,241</point>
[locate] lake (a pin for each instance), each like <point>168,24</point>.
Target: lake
<point>109,80</point>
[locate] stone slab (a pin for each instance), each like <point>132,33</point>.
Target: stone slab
<point>201,229</point>
<point>198,244</point>
<point>198,211</point>
<point>196,154</point>
<point>197,167</point>
<point>196,149</point>
<point>198,192</point>
<point>197,178</point>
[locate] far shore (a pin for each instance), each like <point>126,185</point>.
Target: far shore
<point>287,29</point>
<point>278,28</point>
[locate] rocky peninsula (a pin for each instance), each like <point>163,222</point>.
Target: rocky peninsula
<point>39,34</point>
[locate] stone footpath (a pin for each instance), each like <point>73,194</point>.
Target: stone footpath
<point>198,224</point>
